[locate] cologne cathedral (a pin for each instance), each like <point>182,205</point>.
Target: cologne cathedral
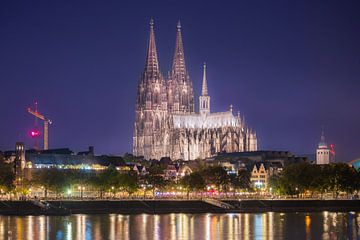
<point>166,124</point>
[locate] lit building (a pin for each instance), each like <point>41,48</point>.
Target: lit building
<point>323,151</point>
<point>262,171</point>
<point>260,176</point>
<point>166,124</point>
<point>29,161</point>
<point>19,163</point>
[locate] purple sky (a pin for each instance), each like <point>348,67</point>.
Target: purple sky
<point>289,66</point>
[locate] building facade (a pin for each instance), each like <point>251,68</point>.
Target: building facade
<point>322,151</point>
<point>166,124</point>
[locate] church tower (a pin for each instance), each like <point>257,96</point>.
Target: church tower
<point>204,99</point>
<point>151,106</point>
<point>19,163</point>
<point>322,152</point>
<point>180,87</point>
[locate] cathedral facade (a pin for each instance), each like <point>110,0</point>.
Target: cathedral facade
<point>166,124</point>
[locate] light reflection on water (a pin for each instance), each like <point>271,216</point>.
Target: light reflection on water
<point>325,225</point>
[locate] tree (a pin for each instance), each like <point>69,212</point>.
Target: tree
<point>106,180</point>
<point>7,176</point>
<point>299,178</point>
<point>243,179</point>
<point>129,182</point>
<point>78,177</point>
<point>52,179</point>
<point>303,177</point>
<point>218,176</point>
<point>193,182</point>
<point>340,177</point>
<point>153,182</point>
<point>275,184</point>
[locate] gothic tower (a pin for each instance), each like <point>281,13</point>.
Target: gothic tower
<point>180,87</point>
<point>204,99</point>
<point>151,107</point>
<point>166,124</point>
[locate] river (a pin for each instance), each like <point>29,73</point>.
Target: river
<point>270,225</point>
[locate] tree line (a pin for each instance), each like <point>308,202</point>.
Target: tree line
<point>111,181</point>
<point>308,179</point>
<point>296,180</point>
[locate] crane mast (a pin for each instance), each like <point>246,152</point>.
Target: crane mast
<point>46,126</point>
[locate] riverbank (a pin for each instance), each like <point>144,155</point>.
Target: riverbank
<point>177,206</point>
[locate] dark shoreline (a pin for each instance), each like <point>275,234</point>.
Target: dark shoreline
<point>176,206</point>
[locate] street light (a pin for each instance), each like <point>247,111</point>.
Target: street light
<point>81,190</point>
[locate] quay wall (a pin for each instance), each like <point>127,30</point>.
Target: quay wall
<point>178,206</point>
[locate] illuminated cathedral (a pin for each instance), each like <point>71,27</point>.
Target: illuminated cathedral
<point>166,123</point>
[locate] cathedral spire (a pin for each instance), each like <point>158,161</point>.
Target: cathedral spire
<point>322,143</point>
<point>204,99</point>
<point>179,58</point>
<point>152,63</point>
<point>204,89</point>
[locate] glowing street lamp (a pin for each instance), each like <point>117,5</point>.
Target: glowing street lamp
<point>81,190</point>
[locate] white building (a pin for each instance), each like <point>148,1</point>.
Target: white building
<point>322,151</point>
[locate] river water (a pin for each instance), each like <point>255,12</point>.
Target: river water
<point>320,225</point>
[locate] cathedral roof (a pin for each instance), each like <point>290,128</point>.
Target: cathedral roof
<point>212,120</point>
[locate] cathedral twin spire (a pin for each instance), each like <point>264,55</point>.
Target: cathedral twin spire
<point>152,63</point>
<point>180,88</point>
<point>178,67</point>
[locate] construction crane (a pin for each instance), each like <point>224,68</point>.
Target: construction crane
<point>46,125</point>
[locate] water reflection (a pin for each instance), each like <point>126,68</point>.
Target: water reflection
<point>325,225</point>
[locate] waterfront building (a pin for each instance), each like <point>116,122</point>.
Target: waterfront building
<point>139,169</point>
<point>171,171</point>
<point>27,161</point>
<point>283,158</point>
<point>259,176</point>
<point>166,123</point>
<point>322,151</point>
<point>261,173</point>
<point>19,163</point>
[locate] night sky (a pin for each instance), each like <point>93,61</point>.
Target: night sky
<point>289,66</point>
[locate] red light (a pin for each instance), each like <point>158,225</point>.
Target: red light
<point>332,149</point>
<point>34,133</point>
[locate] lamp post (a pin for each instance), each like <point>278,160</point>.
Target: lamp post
<point>81,189</point>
